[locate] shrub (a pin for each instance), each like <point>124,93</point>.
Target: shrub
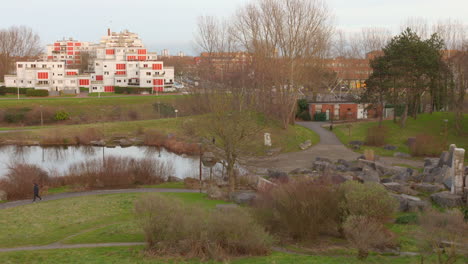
<point>300,209</point>
<point>33,117</point>
<point>133,115</point>
<point>61,115</point>
<point>14,90</point>
<point>20,179</point>
<point>368,199</point>
<point>84,90</point>
<point>443,233</point>
<point>2,90</point>
<point>131,90</point>
<point>426,145</point>
<point>376,136</point>
<point>322,116</point>
<point>411,218</point>
<point>164,110</point>
<point>154,138</point>
<point>55,137</point>
<point>174,228</point>
<point>90,134</point>
<point>304,115</point>
<point>364,233</point>
<point>16,115</point>
<point>37,93</point>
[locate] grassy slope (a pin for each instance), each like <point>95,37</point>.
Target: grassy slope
<point>47,222</point>
<point>424,124</point>
<point>287,139</point>
<point>134,255</point>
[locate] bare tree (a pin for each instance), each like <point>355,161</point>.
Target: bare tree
<point>17,43</point>
<point>418,25</point>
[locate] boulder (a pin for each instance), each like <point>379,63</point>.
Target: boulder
<point>427,187</point>
<point>444,159</point>
<point>399,188</point>
<point>447,200</point>
<point>125,143</point>
<point>403,175</point>
<point>209,159</point>
<point>437,174</point>
<point>386,180</point>
<point>344,163</point>
<point>341,167</point>
<point>369,175</point>
<point>408,203</point>
<point>306,145</point>
<point>276,174</point>
<point>98,143</point>
<point>361,163</point>
<point>3,195</point>
<point>388,170</point>
<point>390,147</point>
<point>431,162</point>
<point>214,192</point>
<point>401,155</point>
<point>273,151</point>
<point>243,197</point>
<point>322,166</point>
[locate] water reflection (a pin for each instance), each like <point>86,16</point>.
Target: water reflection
<point>59,159</point>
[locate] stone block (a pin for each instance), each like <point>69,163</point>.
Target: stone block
<point>243,197</point>
<point>447,199</point>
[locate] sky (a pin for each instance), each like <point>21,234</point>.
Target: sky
<point>170,24</point>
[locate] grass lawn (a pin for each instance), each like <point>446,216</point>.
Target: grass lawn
<point>286,139</point>
<point>167,185</point>
<point>124,255</point>
<point>47,222</point>
<point>430,124</point>
<point>103,94</point>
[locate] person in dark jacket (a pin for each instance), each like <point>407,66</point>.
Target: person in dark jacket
<point>36,192</point>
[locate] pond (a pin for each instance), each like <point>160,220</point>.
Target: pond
<point>59,159</point>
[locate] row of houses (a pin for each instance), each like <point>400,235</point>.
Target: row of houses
<point>119,59</point>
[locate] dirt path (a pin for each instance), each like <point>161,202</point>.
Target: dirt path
<point>66,246</point>
<point>95,192</point>
<point>329,147</point>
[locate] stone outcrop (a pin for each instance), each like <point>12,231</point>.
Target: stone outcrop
<point>447,199</point>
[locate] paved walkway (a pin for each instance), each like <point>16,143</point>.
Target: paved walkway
<point>329,147</point>
<point>95,192</point>
<point>66,246</point>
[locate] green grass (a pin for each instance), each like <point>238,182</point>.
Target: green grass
<point>124,255</point>
<point>103,94</point>
<point>61,189</point>
<point>430,124</point>
<point>48,222</point>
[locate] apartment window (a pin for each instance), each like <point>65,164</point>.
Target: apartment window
<point>148,73</point>
<point>136,73</point>
<point>145,65</point>
<point>14,81</point>
<point>59,74</point>
<point>44,66</point>
<point>20,65</point>
<point>21,81</point>
<point>105,66</point>
<point>97,64</point>
<point>33,65</point>
<point>59,66</point>
<point>61,57</point>
<point>119,81</point>
<point>106,73</point>
<point>29,82</point>
<point>73,81</point>
<point>149,81</point>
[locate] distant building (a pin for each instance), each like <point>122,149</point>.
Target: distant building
<point>119,59</point>
<point>224,64</point>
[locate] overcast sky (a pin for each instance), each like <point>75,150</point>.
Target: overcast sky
<point>171,23</point>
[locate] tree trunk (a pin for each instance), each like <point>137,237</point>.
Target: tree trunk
<point>404,116</point>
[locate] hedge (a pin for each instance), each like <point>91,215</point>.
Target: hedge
<point>32,92</point>
<point>131,90</point>
<point>322,116</point>
<point>13,90</point>
<point>84,90</point>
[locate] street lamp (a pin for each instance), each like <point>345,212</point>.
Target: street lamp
<point>176,111</point>
<point>42,120</point>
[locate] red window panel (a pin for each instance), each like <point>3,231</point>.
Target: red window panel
<point>120,66</point>
<point>99,77</point>
<point>110,52</point>
<point>71,73</point>
<point>70,48</point>
<point>157,66</point>
<point>56,44</point>
<point>158,89</point>
<point>142,52</point>
<point>57,48</point>
<point>108,88</point>
<point>43,75</point>
<point>77,44</point>
<point>131,58</point>
<point>120,72</point>
<point>70,44</point>
<point>69,62</point>
<point>70,53</point>
<point>141,58</point>
<point>50,57</point>
<point>158,82</point>
<point>84,82</point>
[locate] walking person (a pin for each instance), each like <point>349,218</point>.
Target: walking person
<point>36,192</point>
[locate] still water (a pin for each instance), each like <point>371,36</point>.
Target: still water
<point>57,160</point>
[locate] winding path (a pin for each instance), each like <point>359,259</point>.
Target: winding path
<point>95,192</point>
<point>329,147</point>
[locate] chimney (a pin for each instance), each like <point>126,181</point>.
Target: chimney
<point>108,32</point>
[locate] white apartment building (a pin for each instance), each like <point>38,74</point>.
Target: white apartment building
<point>120,59</point>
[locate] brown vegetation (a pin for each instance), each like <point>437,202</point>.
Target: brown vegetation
<point>174,228</point>
<point>376,136</point>
<point>171,143</point>
<point>427,145</point>
<point>20,179</point>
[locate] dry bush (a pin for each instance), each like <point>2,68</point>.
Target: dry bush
<point>364,233</point>
<point>180,147</point>
<point>154,138</point>
<point>191,183</point>
<point>88,135</point>
<point>117,172</point>
<point>173,228</point>
<point>427,145</point>
<point>444,233</point>
<point>368,199</point>
<point>133,115</point>
<point>20,179</point>
<point>33,117</point>
<point>376,136</point>
<point>300,210</point>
